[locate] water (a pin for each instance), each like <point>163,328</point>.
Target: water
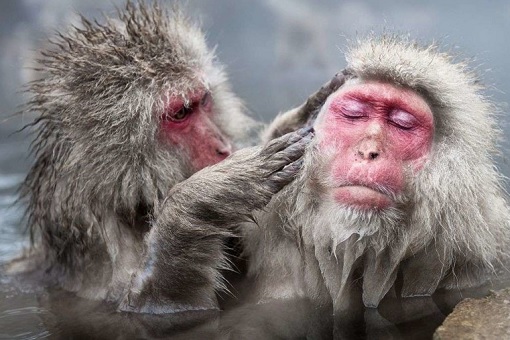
<point>20,313</point>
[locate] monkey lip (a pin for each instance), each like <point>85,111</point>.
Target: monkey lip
<point>362,196</point>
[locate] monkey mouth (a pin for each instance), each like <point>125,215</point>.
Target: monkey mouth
<point>363,196</point>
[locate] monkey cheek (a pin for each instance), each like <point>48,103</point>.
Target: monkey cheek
<point>362,197</point>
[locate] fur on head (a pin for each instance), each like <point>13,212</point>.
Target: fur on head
<point>99,166</point>
<point>452,225</point>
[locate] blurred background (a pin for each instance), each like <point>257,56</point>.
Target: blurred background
<point>276,52</point>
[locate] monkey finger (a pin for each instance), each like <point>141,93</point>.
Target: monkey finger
<point>291,153</point>
<point>281,178</point>
<point>283,142</point>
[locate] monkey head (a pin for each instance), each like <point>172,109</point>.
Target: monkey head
<point>127,109</point>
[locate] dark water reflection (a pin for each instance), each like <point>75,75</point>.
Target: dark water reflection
<point>32,313</point>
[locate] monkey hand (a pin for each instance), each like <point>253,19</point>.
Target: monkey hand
<point>305,114</point>
<point>185,246</point>
<point>245,181</point>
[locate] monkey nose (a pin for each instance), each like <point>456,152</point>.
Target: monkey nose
<point>369,150</point>
<point>224,151</point>
<point>370,155</point>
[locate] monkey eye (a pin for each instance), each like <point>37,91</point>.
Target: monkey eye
<point>403,119</point>
<point>353,109</point>
<point>180,115</point>
<point>180,111</point>
<point>354,114</point>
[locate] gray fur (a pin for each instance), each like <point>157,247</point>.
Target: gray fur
<point>450,229</point>
<point>100,171</point>
<point>107,215</point>
<point>186,250</point>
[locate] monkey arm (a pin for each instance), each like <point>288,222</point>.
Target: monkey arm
<point>306,113</point>
<point>185,247</point>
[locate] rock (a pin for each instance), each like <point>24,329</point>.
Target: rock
<point>486,318</point>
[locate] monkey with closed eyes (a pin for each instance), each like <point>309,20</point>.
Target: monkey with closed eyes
<point>399,193</point>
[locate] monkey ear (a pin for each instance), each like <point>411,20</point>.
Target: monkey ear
<point>423,271</point>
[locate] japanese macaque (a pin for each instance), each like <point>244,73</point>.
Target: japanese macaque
<point>127,110</point>
<point>399,192</point>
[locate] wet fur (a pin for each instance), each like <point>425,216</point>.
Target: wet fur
<point>450,230</point>
<point>115,212</point>
<point>100,171</point>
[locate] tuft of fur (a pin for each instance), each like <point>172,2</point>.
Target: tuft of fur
<point>450,229</point>
<point>100,170</point>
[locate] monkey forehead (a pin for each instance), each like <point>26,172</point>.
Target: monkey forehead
<point>374,91</point>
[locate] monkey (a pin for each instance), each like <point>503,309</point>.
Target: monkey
<point>137,184</point>
<point>399,194</point>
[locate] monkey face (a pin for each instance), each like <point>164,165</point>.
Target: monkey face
<point>378,133</point>
<point>189,123</point>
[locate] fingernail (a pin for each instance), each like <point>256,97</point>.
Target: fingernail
<point>308,137</point>
<point>305,130</point>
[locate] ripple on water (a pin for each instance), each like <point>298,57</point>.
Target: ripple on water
<point>23,322</point>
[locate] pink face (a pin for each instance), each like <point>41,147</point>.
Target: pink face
<point>188,124</point>
<point>377,132</point>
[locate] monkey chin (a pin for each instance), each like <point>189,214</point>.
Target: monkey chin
<point>362,197</point>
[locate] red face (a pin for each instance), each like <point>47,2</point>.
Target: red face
<point>189,124</point>
<point>378,133</point>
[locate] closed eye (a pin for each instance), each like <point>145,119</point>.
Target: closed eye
<point>403,119</point>
<point>353,109</point>
<point>354,114</point>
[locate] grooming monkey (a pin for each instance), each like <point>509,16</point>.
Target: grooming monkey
<point>399,191</point>
<point>129,111</point>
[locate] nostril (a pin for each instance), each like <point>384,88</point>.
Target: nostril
<point>370,155</point>
<point>225,152</point>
